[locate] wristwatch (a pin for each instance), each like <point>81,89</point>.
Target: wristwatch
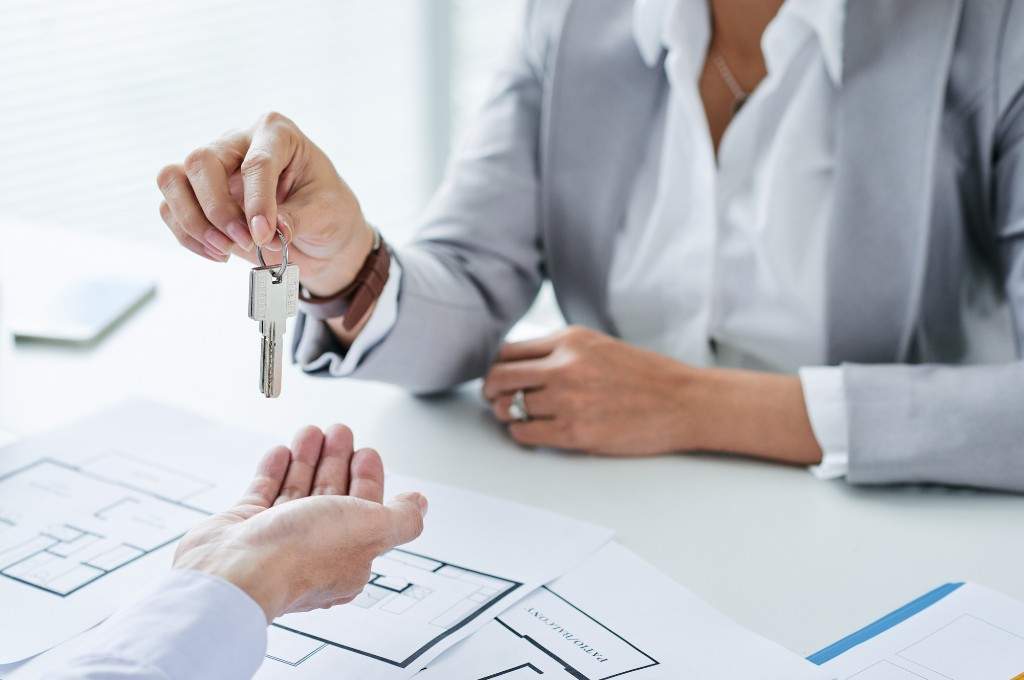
<point>354,300</point>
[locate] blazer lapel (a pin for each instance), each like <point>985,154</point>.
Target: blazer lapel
<point>603,98</point>
<point>895,68</point>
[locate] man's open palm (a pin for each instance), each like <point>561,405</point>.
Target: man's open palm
<point>307,529</point>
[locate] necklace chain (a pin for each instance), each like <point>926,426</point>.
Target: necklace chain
<point>738,93</point>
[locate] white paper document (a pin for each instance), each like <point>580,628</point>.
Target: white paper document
<point>616,616</point>
<point>960,631</point>
<point>90,515</point>
<point>476,557</point>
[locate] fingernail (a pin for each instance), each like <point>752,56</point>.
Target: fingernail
<point>421,501</point>
<point>215,254</point>
<point>285,225</point>
<point>261,231</point>
<point>240,235</point>
<point>218,241</point>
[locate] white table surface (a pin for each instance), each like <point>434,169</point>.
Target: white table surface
<point>799,560</point>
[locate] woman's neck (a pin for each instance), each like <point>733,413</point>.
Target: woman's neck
<point>737,27</point>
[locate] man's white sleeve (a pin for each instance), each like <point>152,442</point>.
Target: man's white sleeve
<point>193,626</point>
<point>826,407</point>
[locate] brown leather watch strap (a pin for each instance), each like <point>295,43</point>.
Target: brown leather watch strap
<point>354,300</point>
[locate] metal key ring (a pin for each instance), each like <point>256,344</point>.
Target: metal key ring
<point>284,257</point>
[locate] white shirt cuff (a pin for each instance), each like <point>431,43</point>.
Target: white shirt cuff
<point>382,320</point>
<point>826,406</point>
<point>192,625</point>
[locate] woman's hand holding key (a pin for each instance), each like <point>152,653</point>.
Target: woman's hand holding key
<point>234,191</point>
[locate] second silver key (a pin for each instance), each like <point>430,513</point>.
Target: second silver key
<point>271,302</point>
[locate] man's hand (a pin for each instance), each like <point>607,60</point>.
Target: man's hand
<point>239,188</point>
<point>305,532</point>
<point>590,392</point>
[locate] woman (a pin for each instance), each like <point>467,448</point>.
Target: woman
<point>787,229</point>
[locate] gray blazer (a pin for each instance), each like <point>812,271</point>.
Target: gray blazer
<point>929,183</point>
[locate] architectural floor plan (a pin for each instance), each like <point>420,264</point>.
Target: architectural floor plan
<point>615,616</point>
<point>547,635</point>
<point>90,515</point>
<point>957,631</point>
<point>64,527</point>
<point>411,603</point>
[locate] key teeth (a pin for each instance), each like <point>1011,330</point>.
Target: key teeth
<point>272,303</point>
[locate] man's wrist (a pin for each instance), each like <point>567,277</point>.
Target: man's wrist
<point>245,570</point>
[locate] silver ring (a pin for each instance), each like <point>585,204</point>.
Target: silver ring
<point>284,256</point>
<point>517,409</point>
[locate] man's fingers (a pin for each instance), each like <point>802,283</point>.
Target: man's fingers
<point>539,404</point>
<point>332,476</point>
<point>207,173</point>
<point>270,473</point>
<point>528,349</point>
<point>305,455</point>
<point>367,476</point>
<point>274,142</point>
<point>405,516</point>
<point>514,375</point>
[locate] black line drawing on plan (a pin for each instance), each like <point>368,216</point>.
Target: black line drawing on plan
<point>581,647</point>
<point>523,670</point>
<point>411,603</point>
<point>64,526</point>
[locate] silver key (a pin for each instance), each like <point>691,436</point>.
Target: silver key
<point>273,298</point>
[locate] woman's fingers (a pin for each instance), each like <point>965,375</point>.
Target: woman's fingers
<point>274,142</point>
<point>186,240</point>
<point>515,375</point>
<point>206,193</point>
<point>539,404</point>
<point>207,169</point>
<point>367,476</point>
<point>528,349</point>
<point>305,457</point>
<point>552,433</point>
<point>332,474</point>
<point>185,209</point>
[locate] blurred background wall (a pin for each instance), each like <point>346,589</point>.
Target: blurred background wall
<point>97,95</point>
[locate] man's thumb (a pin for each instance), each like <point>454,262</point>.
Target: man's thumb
<point>406,513</point>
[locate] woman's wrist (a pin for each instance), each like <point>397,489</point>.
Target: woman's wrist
<point>346,336</point>
<point>341,270</point>
<point>748,412</point>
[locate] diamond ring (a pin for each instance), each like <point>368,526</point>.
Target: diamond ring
<point>517,409</point>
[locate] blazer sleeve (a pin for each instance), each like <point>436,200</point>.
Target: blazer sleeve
<point>475,264</point>
<point>957,425</point>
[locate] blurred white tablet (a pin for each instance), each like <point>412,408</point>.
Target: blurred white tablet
<point>77,311</point>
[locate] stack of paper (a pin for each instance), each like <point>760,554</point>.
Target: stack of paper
<point>90,515</point>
